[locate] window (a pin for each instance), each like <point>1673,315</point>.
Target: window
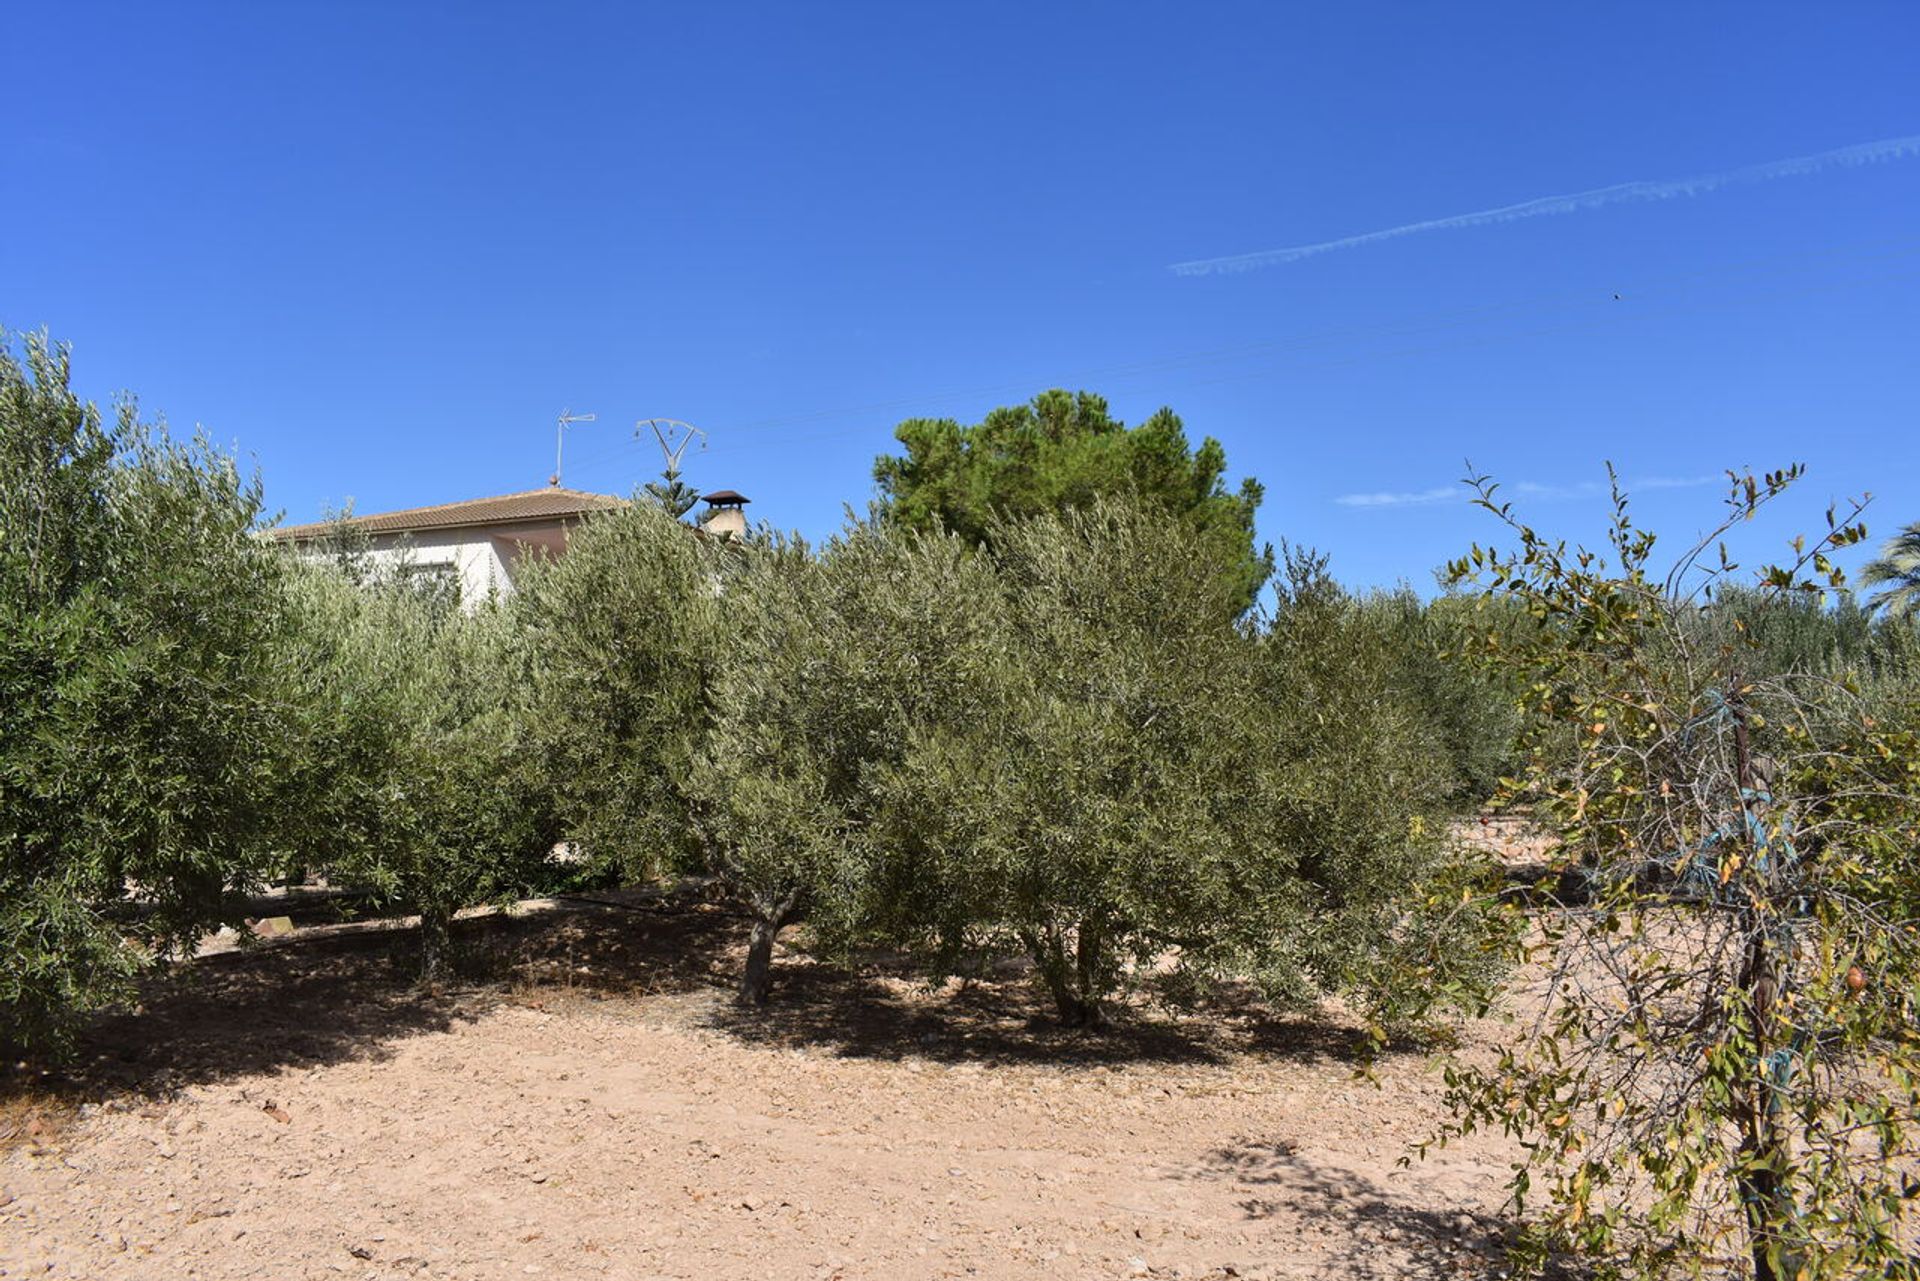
<point>439,580</point>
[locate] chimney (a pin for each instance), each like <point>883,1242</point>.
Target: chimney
<point>726,515</point>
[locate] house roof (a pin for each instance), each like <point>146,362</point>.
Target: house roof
<point>724,496</point>
<point>551,503</point>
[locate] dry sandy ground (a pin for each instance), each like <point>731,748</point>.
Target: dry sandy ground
<point>596,1109</point>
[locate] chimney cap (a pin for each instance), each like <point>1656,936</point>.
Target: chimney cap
<point>724,497</point>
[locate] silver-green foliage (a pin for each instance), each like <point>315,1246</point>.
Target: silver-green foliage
<point>1472,714</point>
<point>1114,805</point>
<point>626,630</point>
<point>138,731</point>
<point>1063,747</point>
<point>833,668</point>
<point>1376,902</point>
<point>1059,744</point>
<point>416,777</point>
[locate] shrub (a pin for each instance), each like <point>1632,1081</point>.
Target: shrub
<point>1723,1073</point>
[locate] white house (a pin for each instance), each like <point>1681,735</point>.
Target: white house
<point>477,544</point>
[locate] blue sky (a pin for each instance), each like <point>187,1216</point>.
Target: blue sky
<point>379,247</point>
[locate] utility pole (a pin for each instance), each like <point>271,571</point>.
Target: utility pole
<point>560,439</point>
<point>674,437</point>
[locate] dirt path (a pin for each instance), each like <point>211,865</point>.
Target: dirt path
<point>601,1112</point>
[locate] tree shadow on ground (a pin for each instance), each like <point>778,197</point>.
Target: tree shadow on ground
<point>1372,1230</point>
<point>314,999</point>
<point>347,992</point>
<point>885,1009</point>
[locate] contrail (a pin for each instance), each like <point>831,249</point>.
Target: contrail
<point>1866,153</point>
<point>1461,495</point>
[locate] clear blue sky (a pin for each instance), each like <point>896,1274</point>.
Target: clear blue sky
<point>379,247</point>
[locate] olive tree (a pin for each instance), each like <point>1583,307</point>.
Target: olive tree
<point>139,619</point>
<point>1382,902</point>
<point>674,669</point>
<point>1147,791</point>
<point>1471,711</point>
<point>1718,1070</point>
<point>626,629</point>
<point>1058,744</point>
<point>688,718</point>
<point>833,667</point>
<point>418,777</point>
<point>1115,819</point>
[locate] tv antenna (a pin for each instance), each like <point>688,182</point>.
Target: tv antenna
<point>560,439</point>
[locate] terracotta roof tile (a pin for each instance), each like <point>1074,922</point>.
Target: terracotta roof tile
<point>532,504</point>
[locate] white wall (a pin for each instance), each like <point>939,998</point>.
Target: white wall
<point>483,557</point>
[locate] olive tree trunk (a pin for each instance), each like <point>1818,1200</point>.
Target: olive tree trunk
<point>1075,977</point>
<point>436,942</point>
<point>770,917</point>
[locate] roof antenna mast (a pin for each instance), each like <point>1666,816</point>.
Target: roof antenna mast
<point>560,439</point>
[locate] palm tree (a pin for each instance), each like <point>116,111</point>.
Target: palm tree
<point>1899,570</point>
